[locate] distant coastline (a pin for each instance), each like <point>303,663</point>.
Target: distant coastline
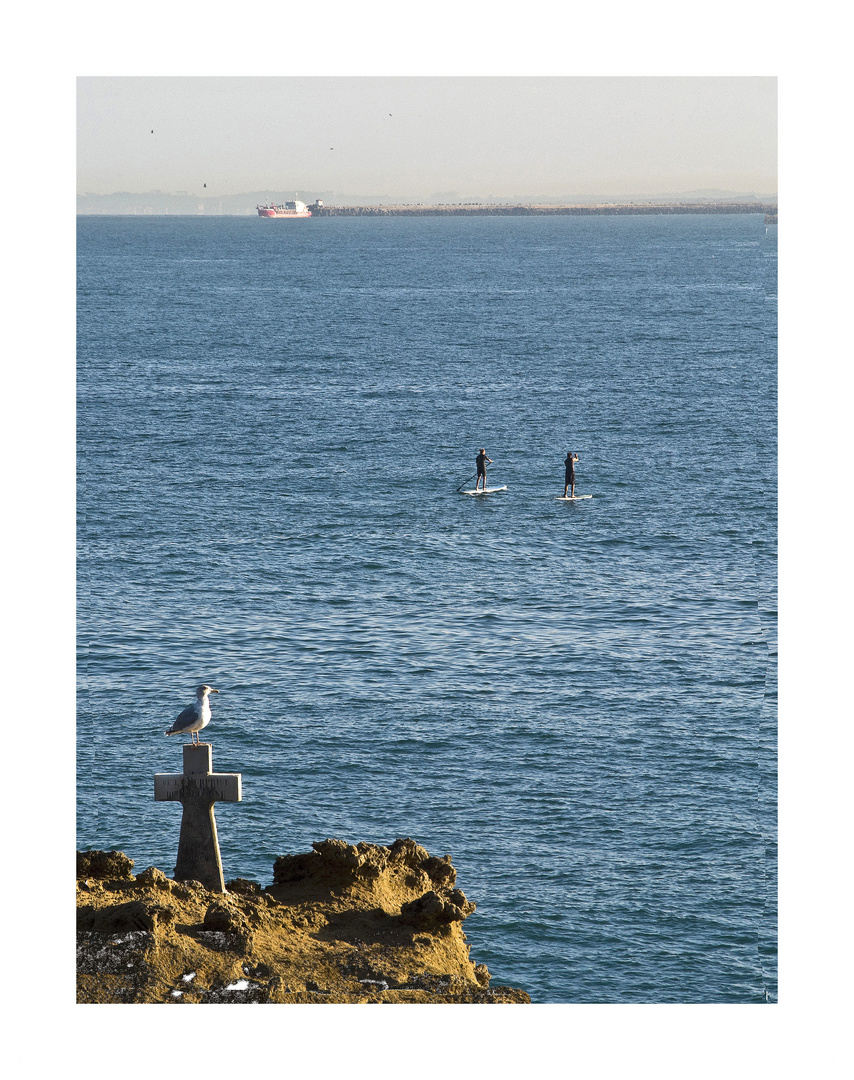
<point>445,204</point>
<point>520,210</point>
<point>92,206</point>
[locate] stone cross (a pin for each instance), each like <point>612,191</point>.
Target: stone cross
<point>197,788</point>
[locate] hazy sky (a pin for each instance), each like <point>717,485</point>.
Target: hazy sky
<point>423,137</point>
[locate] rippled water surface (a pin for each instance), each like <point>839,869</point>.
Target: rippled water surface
<point>575,701</point>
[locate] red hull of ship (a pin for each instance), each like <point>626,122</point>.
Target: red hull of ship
<point>264,212</point>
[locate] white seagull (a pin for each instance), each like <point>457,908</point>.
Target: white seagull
<point>195,716</point>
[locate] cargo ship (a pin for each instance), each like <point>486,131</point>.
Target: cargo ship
<point>288,210</point>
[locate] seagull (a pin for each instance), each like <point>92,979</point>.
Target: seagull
<point>195,716</point>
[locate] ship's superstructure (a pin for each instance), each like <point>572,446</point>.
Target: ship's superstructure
<point>293,209</point>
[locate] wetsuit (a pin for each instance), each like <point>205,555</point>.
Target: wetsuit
<point>481,466</point>
<point>569,467</point>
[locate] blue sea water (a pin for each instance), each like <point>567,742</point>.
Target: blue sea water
<point>576,701</point>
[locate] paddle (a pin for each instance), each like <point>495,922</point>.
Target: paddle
<point>469,480</point>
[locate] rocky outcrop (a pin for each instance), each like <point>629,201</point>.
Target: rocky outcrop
<point>112,865</point>
<point>343,923</point>
<point>337,865</point>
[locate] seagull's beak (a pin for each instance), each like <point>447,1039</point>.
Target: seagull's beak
<point>214,691</point>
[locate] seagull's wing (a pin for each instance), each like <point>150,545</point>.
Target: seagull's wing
<point>184,720</point>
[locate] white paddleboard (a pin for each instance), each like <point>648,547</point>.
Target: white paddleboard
<point>483,491</point>
<point>572,498</point>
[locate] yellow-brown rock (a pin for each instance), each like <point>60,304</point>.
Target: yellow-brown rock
<point>343,923</point>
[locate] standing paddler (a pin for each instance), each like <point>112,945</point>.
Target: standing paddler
<point>481,461</point>
<point>569,472</point>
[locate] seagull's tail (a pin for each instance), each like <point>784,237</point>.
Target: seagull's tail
<point>169,732</point>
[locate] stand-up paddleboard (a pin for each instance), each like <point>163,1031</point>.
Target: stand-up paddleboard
<point>483,491</point>
<point>572,498</point>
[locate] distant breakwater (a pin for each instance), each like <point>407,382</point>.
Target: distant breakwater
<point>481,209</point>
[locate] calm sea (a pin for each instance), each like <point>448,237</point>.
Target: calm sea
<point>576,701</point>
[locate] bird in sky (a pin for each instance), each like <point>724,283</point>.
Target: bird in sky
<point>195,716</point>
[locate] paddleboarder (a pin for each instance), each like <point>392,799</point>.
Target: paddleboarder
<point>569,472</point>
<point>481,461</point>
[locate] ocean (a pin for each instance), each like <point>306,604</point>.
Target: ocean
<point>575,701</point>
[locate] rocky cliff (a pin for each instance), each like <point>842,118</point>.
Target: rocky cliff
<point>343,923</point>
